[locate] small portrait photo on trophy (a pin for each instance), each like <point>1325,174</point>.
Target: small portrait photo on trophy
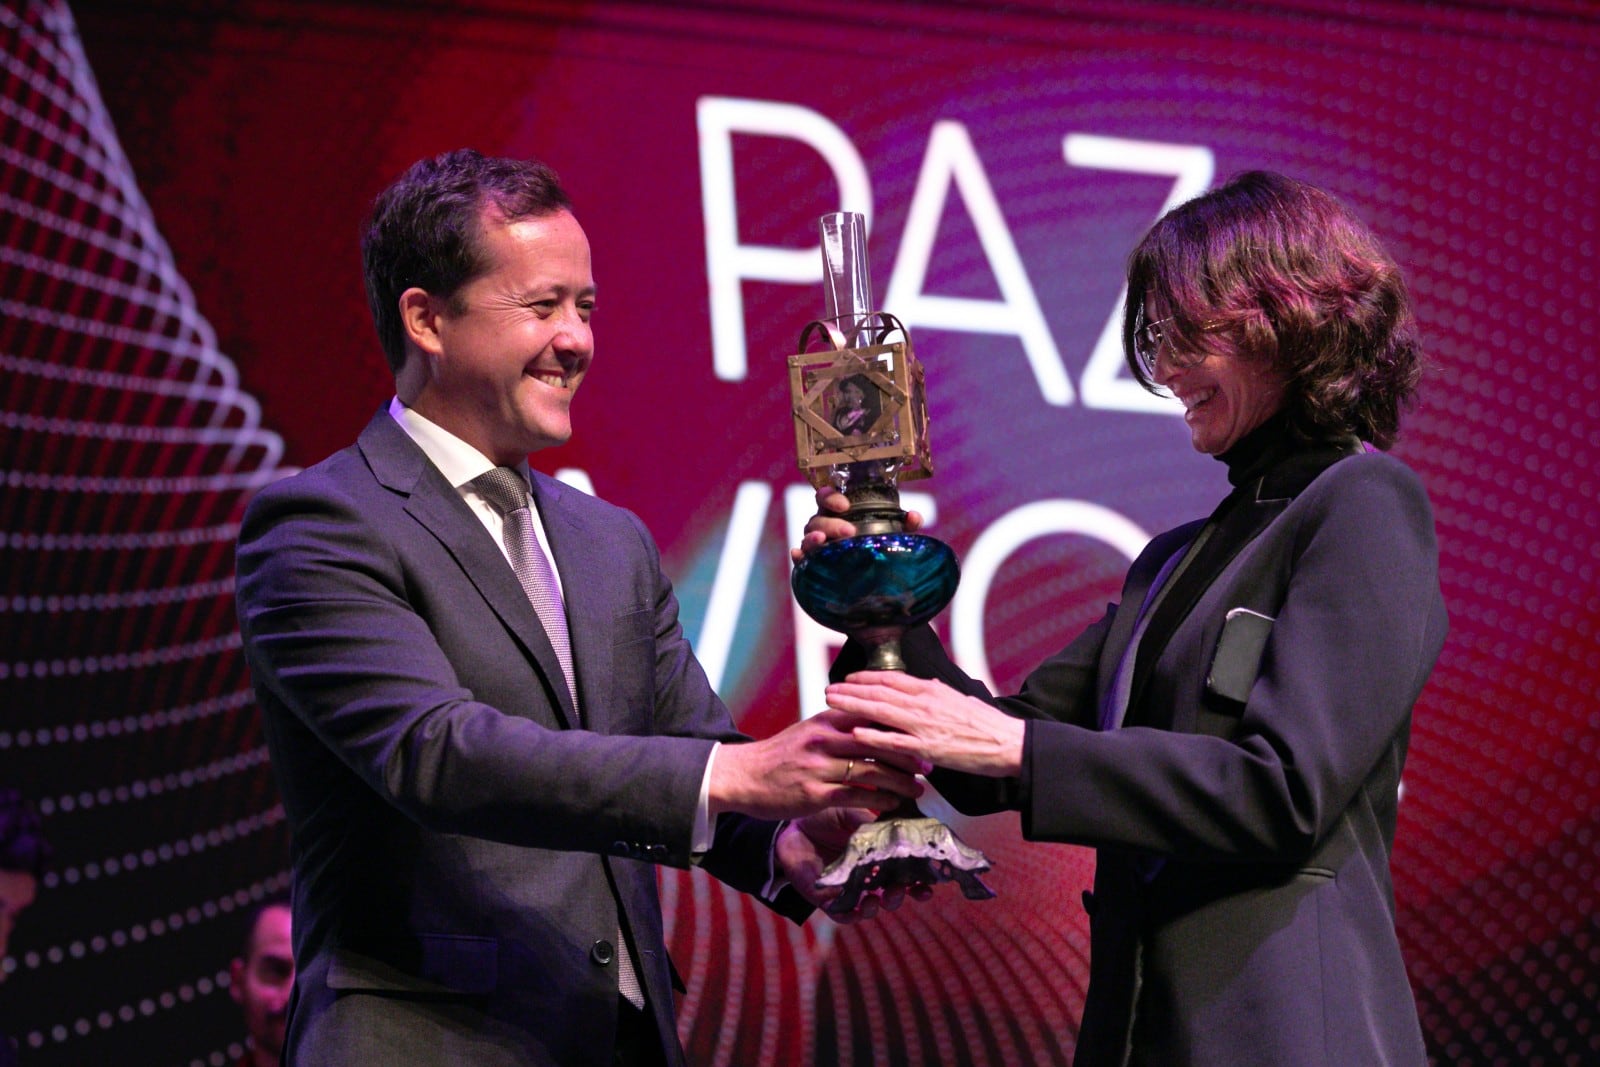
<point>856,405</point>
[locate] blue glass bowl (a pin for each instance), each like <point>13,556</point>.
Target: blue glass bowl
<point>876,582</point>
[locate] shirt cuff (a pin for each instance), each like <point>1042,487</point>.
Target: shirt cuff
<point>776,881</point>
<point>700,840</point>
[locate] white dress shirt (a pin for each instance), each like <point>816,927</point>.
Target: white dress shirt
<point>460,463</point>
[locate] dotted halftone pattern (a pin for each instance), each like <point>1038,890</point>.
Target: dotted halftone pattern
<point>1463,132</point>
<point>1466,138</point>
<point>128,450</point>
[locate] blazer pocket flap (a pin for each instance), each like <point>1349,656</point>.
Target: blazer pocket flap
<point>430,965</point>
<point>1237,660</point>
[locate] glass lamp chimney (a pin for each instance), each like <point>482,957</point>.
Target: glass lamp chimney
<point>846,275</point>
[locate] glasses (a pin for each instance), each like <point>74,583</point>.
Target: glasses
<point>1150,336</point>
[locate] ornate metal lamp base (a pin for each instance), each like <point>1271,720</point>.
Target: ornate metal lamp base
<point>875,586</point>
<point>902,852</point>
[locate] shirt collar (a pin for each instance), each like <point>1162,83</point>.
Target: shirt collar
<point>456,460</point>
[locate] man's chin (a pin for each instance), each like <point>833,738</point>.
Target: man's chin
<point>550,437</point>
<point>511,450</point>
<point>545,428</point>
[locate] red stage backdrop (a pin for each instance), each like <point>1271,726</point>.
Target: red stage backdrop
<point>181,320</point>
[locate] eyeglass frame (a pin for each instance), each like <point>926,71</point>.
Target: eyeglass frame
<point>1147,352</point>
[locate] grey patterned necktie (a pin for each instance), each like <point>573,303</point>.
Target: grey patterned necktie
<point>507,493</point>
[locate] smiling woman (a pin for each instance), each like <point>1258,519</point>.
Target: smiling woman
<point>1224,394</point>
<point>1298,302</point>
<point>1230,735</point>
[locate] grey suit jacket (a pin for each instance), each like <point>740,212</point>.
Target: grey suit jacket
<point>465,842</point>
<point>1243,910</point>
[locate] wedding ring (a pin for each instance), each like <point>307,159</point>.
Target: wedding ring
<point>847,769</point>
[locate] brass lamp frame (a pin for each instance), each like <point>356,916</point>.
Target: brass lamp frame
<point>900,434</point>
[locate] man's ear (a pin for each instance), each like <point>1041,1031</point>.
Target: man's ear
<point>419,320</point>
<point>236,980</point>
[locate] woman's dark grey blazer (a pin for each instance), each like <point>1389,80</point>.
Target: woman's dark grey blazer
<point>1244,813</point>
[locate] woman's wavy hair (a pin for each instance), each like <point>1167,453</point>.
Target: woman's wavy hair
<point>1266,267</point>
<point>424,230</point>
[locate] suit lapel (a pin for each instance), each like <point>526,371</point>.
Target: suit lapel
<point>401,467</point>
<point>586,571</point>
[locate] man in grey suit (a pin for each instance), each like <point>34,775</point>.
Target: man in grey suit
<point>484,717</point>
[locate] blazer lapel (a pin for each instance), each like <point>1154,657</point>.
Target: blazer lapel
<point>1255,505</point>
<point>1134,592</point>
<point>400,466</point>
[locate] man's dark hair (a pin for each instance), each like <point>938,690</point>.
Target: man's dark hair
<point>425,229</point>
<point>253,919</point>
<point>1266,267</point>
<point>22,845</point>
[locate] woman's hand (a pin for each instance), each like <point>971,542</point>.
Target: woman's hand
<point>828,524</point>
<point>935,723</point>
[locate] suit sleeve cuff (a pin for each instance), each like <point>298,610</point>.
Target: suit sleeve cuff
<point>1025,779</point>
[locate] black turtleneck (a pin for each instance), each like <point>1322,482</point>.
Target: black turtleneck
<point>1253,453</point>
<point>1268,463</point>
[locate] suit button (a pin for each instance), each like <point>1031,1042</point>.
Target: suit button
<point>602,953</point>
<point>619,848</point>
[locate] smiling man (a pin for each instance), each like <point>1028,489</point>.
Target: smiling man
<point>483,714</point>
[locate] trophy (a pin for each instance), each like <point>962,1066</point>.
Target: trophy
<point>861,425</point>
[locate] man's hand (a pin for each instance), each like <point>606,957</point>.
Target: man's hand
<point>829,525</point>
<point>812,765</point>
<point>806,847</point>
